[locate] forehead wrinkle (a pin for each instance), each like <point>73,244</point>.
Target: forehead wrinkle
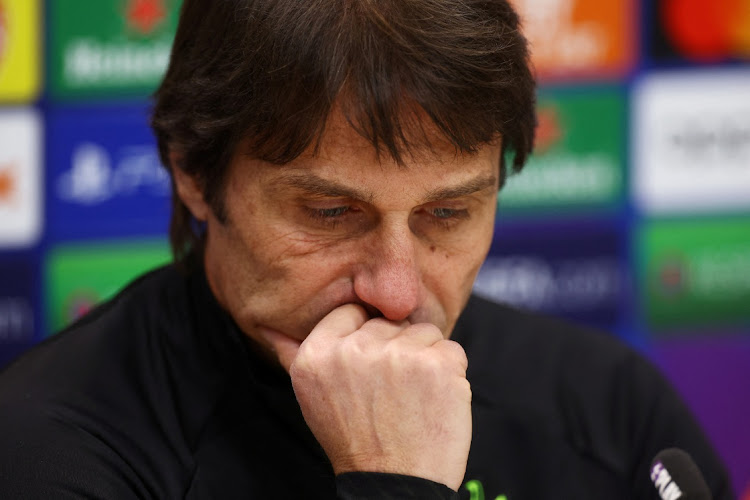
<point>313,184</point>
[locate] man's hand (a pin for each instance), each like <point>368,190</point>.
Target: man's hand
<point>382,396</point>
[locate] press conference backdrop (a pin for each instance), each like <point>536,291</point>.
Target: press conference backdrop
<point>632,216</point>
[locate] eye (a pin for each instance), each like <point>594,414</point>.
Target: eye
<point>330,217</point>
<point>328,213</point>
<point>447,218</point>
<point>444,213</point>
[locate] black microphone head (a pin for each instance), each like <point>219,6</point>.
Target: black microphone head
<point>676,476</point>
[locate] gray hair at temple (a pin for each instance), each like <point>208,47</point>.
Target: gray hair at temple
<point>270,72</point>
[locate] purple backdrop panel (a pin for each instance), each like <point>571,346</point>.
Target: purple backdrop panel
<point>713,375</point>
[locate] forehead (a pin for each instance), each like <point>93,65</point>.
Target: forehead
<point>344,162</point>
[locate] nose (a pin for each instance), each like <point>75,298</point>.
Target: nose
<point>389,279</point>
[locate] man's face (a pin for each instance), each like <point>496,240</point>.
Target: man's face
<point>343,227</point>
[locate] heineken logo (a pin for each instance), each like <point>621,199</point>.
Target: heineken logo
<point>672,276</point>
<point>564,178</point>
<point>79,303</point>
<point>78,277</point>
<point>572,166</point>
<point>90,62</point>
<point>696,272</point>
<point>109,45</point>
<point>145,16</point>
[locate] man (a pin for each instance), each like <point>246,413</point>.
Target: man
<point>335,167</point>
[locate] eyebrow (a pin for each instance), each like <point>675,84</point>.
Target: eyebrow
<point>479,183</point>
<point>315,185</point>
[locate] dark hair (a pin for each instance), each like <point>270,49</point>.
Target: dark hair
<point>270,71</point>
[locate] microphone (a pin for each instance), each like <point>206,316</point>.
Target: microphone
<point>676,476</point>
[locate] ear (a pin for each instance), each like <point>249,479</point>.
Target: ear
<point>188,188</point>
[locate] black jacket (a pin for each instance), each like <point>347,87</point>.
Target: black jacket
<point>157,394</point>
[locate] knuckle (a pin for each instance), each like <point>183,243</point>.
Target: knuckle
<point>432,364</point>
<point>465,386</point>
<point>465,390</point>
<point>455,351</point>
<point>399,356</point>
<point>352,347</point>
<point>427,329</point>
<point>300,369</point>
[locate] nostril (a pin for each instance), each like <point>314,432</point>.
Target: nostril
<point>373,311</point>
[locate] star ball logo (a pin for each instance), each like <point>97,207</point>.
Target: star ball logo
<point>144,17</point>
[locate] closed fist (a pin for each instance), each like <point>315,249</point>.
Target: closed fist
<point>382,396</point>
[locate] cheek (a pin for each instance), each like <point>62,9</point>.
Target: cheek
<point>481,241</point>
<point>284,281</point>
<point>299,245</point>
<point>293,266</point>
<point>451,271</point>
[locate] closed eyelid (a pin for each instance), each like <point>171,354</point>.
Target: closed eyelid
<point>331,212</point>
<point>449,210</point>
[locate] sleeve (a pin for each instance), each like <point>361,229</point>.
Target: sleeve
<point>43,459</point>
<point>382,486</point>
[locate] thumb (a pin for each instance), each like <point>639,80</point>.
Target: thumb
<point>284,346</point>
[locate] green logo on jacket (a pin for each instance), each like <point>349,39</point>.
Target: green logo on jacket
<point>477,491</point>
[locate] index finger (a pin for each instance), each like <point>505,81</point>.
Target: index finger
<point>283,346</point>
<point>342,321</point>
